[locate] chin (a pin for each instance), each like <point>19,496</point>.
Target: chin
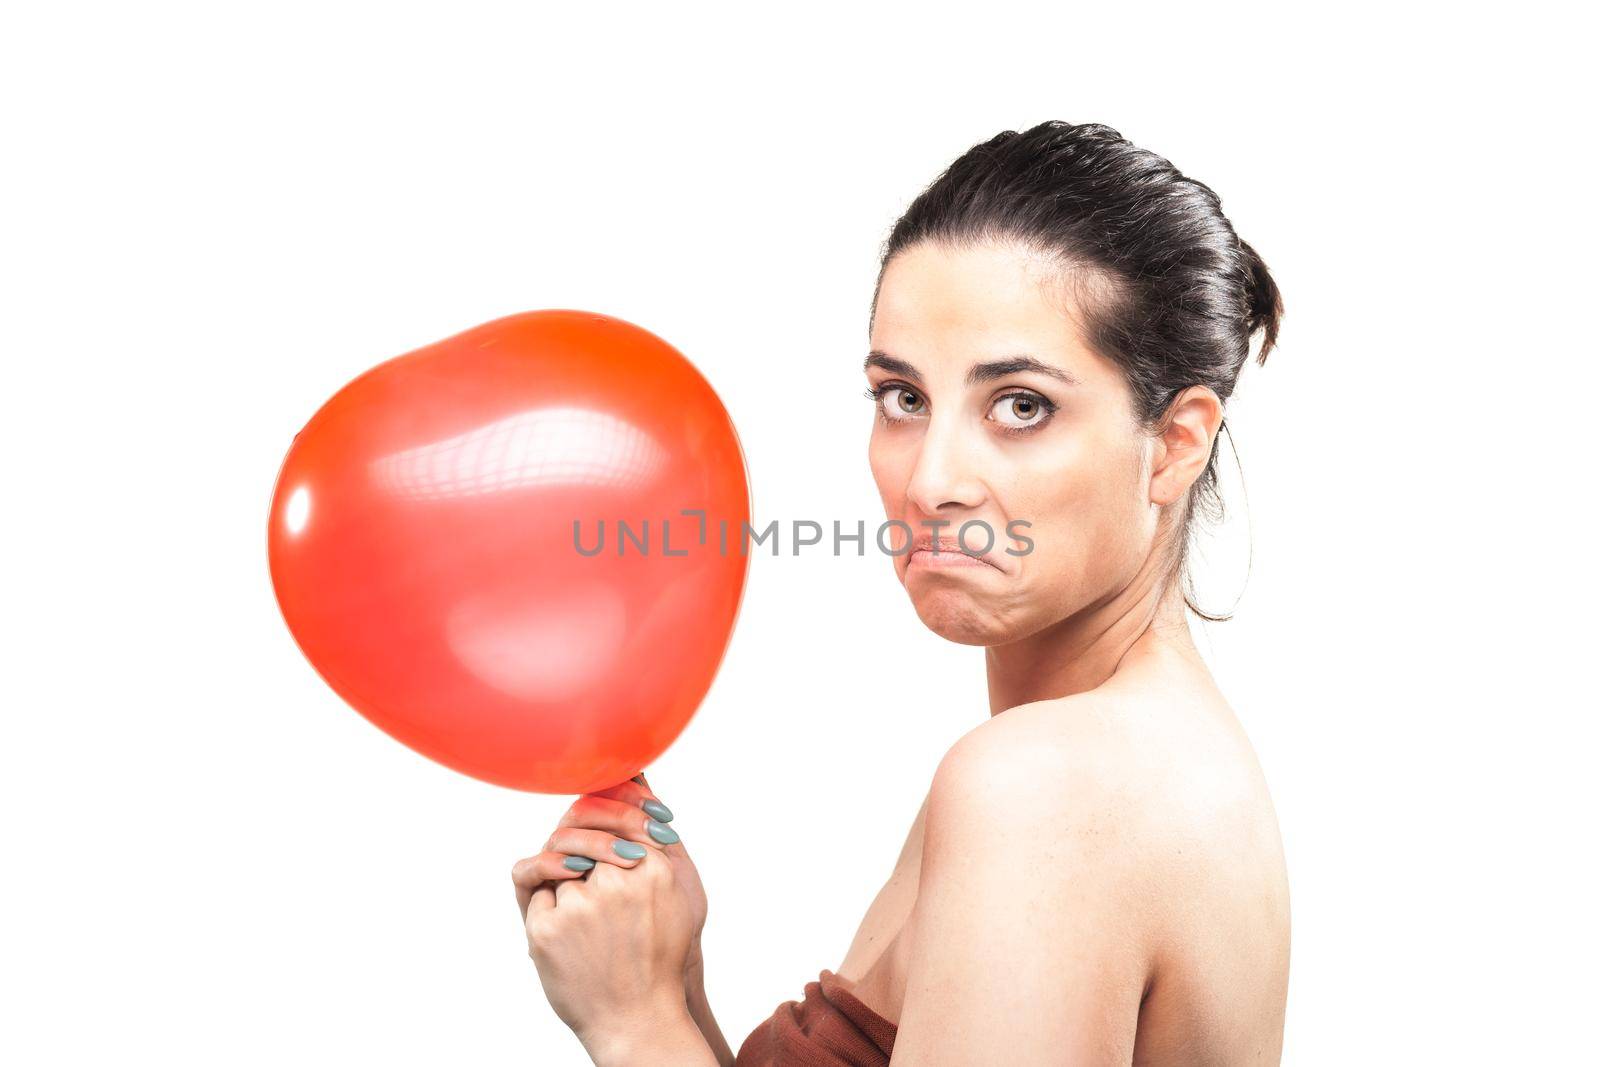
<point>958,618</point>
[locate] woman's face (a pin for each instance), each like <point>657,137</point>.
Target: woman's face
<point>993,411</point>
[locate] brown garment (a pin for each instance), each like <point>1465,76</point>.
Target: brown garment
<point>829,1028</point>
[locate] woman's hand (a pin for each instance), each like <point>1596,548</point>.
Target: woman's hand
<point>613,909</point>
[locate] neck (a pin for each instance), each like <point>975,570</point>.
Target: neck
<point>1083,651</point>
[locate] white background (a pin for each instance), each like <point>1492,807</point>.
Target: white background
<point>215,216</point>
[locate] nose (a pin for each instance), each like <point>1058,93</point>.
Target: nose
<point>945,477</point>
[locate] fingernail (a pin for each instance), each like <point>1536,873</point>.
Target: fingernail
<point>658,810</point>
<point>629,850</point>
<point>663,833</point>
<point>577,863</point>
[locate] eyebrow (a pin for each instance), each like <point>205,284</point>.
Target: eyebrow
<point>979,373</point>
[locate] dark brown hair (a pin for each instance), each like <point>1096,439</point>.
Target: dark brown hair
<point>1174,295</point>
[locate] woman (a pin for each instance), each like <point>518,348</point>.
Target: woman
<point>1095,875</point>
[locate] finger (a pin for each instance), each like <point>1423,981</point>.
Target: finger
<point>563,891</point>
<point>544,898</point>
<point>618,817</point>
<point>602,846</point>
<point>629,792</point>
<point>632,791</point>
<point>636,796</point>
<point>540,904</point>
<point>544,867</point>
<point>528,873</point>
<point>524,887</point>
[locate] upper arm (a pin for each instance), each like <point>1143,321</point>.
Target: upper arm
<point>1026,934</point>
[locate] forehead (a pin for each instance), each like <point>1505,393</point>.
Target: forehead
<point>944,308</point>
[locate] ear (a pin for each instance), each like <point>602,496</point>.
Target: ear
<point>1183,445</point>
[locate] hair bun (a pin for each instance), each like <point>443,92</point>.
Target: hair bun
<point>1266,303</point>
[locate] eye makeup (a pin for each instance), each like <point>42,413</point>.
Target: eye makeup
<point>887,392</point>
<point>1045,407</point>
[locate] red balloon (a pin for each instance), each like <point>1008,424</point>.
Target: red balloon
<point>433,546</point>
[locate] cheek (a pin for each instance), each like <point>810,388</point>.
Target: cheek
<point>1085,511</point>
<point>890,467</point>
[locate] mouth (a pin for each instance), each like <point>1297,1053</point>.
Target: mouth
<point>946,554</point>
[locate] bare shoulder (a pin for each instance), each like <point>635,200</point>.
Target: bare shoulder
<point>1054,782</point>
<point>1161,791</point>
<point>1120,848</point>
<point>1026,859</point>
<point>1055,756</point>
<point>1155,751</point>
<point>1075,757</point>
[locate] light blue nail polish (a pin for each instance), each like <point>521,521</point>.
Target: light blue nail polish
<point>661,832</point>
<point>629,850</point>
<point>658,810</point>
<point>577,863</point>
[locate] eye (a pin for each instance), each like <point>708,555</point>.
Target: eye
<point>897,403</point>
<point>1021,411</point>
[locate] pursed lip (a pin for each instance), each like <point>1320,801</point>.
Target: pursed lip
<point>947,547</point>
